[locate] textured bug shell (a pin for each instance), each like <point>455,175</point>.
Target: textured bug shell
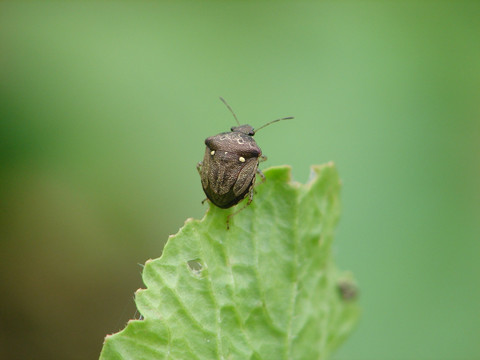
<point>225,178</point>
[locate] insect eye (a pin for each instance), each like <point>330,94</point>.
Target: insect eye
<point>241,159</point>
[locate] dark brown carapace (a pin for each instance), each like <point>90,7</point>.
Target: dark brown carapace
<point>230,164</point>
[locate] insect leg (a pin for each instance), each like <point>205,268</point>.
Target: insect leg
<point>259,172</point>
<point>199,167</point>
<point>250,198</point>
<point>252,188</point>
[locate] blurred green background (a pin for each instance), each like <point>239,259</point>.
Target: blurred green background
<point>104,108</point>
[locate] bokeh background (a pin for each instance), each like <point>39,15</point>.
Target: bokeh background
<point>104,108</point>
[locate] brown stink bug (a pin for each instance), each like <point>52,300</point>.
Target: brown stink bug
<point>230,164</point>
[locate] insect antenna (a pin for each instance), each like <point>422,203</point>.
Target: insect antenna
<point>273,121</point>
<point>229,108</point>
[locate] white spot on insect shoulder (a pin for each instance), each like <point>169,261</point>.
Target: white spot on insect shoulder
<point>241,159</point>
<point>226,152</point>
<point>212,152</point>
<point>240,141</point>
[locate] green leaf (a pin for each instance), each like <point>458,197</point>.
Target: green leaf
<point>267,288</point>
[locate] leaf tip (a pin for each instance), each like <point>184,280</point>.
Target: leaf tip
<point>281,172</point>
<point>189,220</point>
<point>317,171</point>
<point>132,321</point>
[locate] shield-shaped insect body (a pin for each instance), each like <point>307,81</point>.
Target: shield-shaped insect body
<point>230,164</point>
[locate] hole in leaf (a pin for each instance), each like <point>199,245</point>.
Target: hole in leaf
<point>195,267</point>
